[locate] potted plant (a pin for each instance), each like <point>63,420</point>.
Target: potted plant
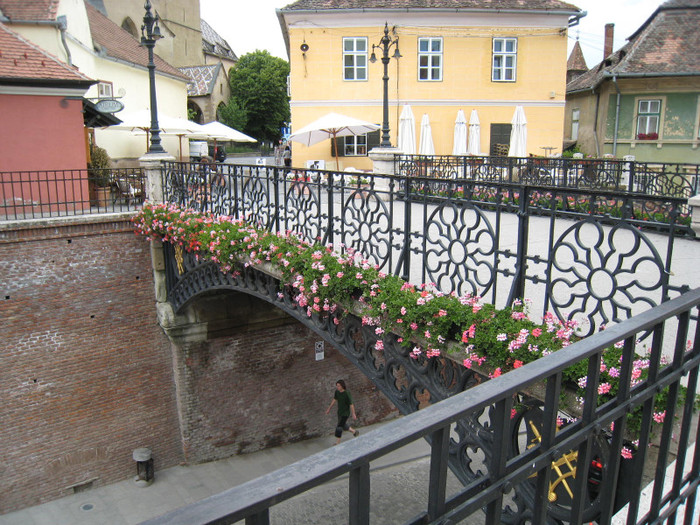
<point>100,175</point>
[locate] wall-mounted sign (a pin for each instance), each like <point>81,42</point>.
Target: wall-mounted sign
<point>108,105</point>
<point>318,347</point>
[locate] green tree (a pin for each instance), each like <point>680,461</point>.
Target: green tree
<point>259,86</point>
<point>233,115</point>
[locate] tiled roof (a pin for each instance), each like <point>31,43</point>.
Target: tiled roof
<point>576,61</point>
<point>17,10</point>
<point>202,79</point>
<point>115,42</point>
<point>21,60</point>
<point>665,44</point>
<point>214,44</point>
<point>431,4</point>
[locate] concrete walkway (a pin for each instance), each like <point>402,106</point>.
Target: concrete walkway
<point>124,503</point>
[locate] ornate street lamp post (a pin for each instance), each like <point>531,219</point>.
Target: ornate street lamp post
<point>150,34</point>
<point>385,44</point>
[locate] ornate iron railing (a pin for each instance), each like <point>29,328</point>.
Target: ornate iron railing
<point>658,179</point>
<point>574,264</point>
<point>517,462</point>
<point>57,193</point>
<point>563,248</point>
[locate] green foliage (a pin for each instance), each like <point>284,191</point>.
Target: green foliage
<point>259,87</point>
<point>233,115</point>
<point>99,166</point>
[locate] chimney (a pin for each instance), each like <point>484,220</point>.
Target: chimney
<point>609,33</point>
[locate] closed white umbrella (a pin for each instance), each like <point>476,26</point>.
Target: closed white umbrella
<point>426,146</point>
<point>459,146</point>
<point>332,125</point>
<point>518,134</point>
<point>407,131</point>
<point>474,134</point>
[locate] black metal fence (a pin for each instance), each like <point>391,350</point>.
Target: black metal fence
<point>658,179</point>
<point>57,193</point>
<point>561,247</point>
<point>534,468</point>
<point>500,241</point>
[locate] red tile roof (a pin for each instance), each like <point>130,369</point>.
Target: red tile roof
<point>202,79</point>
<point>115,42</point>
<point>666,44</point>
<point>23,61</point>
<point>19,10</point>
<point>547,5</point>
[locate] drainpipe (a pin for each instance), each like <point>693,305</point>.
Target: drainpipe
<point>62,25</point>
<point>595,122</point>
<point>617,114</point>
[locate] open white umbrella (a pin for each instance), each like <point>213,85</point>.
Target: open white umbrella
<point>218,131</point>
<point>474,147</point>
<point>459,146</point>
<point>426,146</point>
<point>407,131</point>
<point>332,125</point>
<point>518,134</point>
<point>140,122</point>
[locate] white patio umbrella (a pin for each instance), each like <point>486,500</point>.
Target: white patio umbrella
<point>459,146</point>
<point>140,122</point>
<point>474,147</point>
<point>332,125</point>
<point>218,131</point>
<point>426,146</point>
<point>407,131</point>
<point>518,134</point>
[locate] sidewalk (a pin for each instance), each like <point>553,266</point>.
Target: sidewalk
<point>124,503</point>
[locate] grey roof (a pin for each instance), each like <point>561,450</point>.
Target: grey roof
<point>664,45</point>
<point>214,44</point>
<point>202,79</point>
<point>547,5</point>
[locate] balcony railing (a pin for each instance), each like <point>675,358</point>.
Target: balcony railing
<point>58,193</point>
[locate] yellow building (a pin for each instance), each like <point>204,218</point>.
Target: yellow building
<point>488,55</point>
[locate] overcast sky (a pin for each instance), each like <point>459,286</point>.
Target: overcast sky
<point>248,25</point>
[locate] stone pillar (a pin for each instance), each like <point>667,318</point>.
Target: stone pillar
<point>383,164</point>
<point>383,160</point>
<point>152,163</point>
<point>694,203</point>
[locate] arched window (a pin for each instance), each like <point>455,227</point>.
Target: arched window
<point>194,112</point>
<point>218,110</point>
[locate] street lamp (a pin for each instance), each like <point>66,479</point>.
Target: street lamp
<point>385,44</point>
<point>150,34</point>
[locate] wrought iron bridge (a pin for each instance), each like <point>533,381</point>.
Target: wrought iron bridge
<point>559,246</point>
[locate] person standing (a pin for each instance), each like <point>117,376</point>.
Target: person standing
<point>287,156</point>
<point>346,408</point>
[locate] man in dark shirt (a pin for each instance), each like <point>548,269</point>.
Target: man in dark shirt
<point>345,409</point>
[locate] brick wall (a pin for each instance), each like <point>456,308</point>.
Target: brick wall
<point>87,374</point>
<point>264,388</point>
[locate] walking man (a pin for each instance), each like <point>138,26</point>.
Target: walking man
<point>346,408</point>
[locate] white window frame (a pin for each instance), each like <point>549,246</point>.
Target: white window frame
<point>358,59</point>
<point>647,114</point>
<point>504,60</point>
<point>105,89</point>
<point>433,59</point>
<point>355,146</point>
<point>575,119</point>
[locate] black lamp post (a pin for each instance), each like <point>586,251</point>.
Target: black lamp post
<point>150,34</point>
<point>385,44</point>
